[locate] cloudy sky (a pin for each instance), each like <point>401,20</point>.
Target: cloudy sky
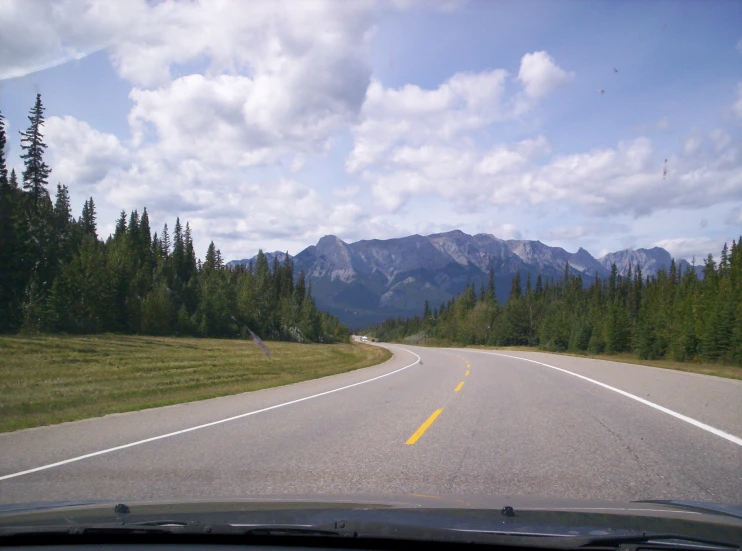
<point>270,124</point>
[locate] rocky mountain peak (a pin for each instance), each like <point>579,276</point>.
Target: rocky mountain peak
<point>370,280</point>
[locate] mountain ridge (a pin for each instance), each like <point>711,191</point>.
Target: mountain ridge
<point>373,279</point>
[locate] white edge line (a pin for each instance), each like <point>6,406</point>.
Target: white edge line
<point>708,428</point>
<point>213,423</point>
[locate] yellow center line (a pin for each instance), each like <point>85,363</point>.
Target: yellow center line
<point>419,432</point>
<point>467,372</point>
<point>461,384</point>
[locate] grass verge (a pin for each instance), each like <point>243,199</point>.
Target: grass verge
<point>719,370</point>
<point>51,379</point>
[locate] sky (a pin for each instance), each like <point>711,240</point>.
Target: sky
<point>602,125</point>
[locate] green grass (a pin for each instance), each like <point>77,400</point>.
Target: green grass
<point>719,370</point>
<point>51,379</point>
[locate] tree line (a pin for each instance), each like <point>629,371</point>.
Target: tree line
<point>672,315</point>
<point>56,275</point>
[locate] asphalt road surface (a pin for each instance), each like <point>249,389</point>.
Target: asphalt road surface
<point>459,422</point>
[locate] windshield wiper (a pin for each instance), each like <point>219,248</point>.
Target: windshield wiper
<point>292,531</point>
<point>659,541</point>
<point>167,526</point>
<point>363,531</point>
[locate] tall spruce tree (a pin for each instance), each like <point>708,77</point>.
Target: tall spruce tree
<point>10,243</point>
<point>88,222</point>
<point>36,172</point>
<point>3,143</point>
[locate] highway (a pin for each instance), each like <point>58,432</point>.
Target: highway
<point>429,421</point>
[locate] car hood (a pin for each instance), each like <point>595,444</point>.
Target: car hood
<point>288,508</point>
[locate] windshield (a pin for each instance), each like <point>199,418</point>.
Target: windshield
<point>405,249</point>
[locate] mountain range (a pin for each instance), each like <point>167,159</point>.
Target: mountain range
<point>370,280</point>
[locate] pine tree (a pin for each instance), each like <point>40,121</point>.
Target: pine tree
<point>287,273</point>
<point>491,286</point>
<point>724,261</point>
<point>277,277</point>
<point>301,288</point>
<point>165,242</point>
<point>62,208</point>
<point>62,224</point>
<point>515,289</point>
<point>210,262</point>
<point>121,227</point>
<point>156,248</point>
<point>85,277</point>
<point>612,282</point>
<point>133,232</point>
<point>178,245</point>
<point>14,260</point>
<point>36,173</point>
<point>310,323</point>
<point>3,140</point>
<point>88,219</point>
<point>189,266</point>
<point>145,239</point>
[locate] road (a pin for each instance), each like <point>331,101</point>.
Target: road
<point>428,421</point>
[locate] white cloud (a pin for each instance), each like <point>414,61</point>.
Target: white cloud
<point>297,163</point>
<point>149,40</point>
<point>737,106</point>
<point>445,6</point>
<point>346,192</point>
<point>690,247</point>
<point>412,115</point>
<point>735,217</point>
<point>38,34</point>
<point>692,143</point>
<point>720,138</point>
<point>626,179</point>
<point>281,77</point>
<point>467,178</point>
<point>222,89</point>
<point>81,155</point>
<point>565,233</point>
<point>504,231</point>
<point>238,212</point>
<point>413,141</point>
<point>236,120</point>
<point>539,74</point>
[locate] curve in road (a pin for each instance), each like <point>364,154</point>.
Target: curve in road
<point>429,421</point>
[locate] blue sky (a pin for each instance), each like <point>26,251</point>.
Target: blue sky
<point>269,125</point>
